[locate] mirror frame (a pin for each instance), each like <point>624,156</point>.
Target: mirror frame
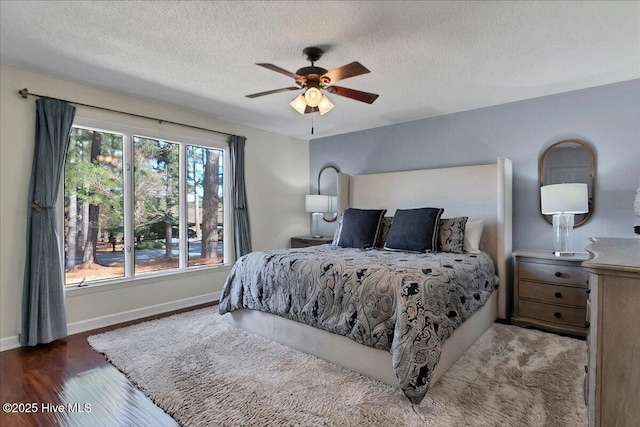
<point>333,217</point>
<point>591,183</point>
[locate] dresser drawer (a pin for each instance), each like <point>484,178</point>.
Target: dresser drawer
<point>555,294</point>
<point>552,313</point>
<point>554,273</point>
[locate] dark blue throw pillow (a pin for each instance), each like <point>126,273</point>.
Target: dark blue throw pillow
<point>360,227</point>
<point>414,230</point>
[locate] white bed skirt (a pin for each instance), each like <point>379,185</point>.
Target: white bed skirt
<point>342,351</point>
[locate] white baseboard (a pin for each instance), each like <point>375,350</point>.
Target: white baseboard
<point>12,342</point>
<point>139,313</point>
<point>9,343</point>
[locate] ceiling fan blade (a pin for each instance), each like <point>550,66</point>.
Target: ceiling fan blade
<point>353,94</point>
<point>281,71</point>
<point>269,92</point>
<point>346,71</point>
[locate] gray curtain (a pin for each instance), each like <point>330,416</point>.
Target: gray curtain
<point>242,231</point>
<point>43,314</point>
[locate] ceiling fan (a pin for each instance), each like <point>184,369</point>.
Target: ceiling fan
<point>313,78</point>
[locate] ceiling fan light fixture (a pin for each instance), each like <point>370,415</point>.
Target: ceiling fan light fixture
<point>325,105</point>
<point>299,104</point>
<point>315,81</point>
<point>313,96</point>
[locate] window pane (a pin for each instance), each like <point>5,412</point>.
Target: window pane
<point>156,200</point>
<point>93,207</point>
<point>205,208</point>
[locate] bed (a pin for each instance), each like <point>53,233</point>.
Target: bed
<point>390,343</point>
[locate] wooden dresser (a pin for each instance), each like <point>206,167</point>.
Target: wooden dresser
<point>613,372</point>
<point>550,292</point>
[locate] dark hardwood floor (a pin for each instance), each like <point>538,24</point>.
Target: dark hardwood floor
<point>67,383</point>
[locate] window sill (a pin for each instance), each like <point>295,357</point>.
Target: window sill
<point>120,283</point>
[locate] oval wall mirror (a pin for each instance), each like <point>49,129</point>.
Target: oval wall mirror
<point>566,162</point>
<point>328,185</point>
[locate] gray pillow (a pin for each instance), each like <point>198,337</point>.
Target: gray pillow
<point>360,227</point>
<point>384,231</point>
<point>414,230</point>
<point>452,234</point>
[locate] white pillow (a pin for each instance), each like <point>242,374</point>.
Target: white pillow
<point>336,234</point>
<point>472,236</point>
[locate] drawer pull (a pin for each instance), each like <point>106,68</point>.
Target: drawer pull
<point>558,295</point>
<point>588,291</point>
<point>587,325</point>
<point>557,315</point>
<point>558,274</point>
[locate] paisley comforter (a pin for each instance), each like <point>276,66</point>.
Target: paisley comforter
<point>407,303</point>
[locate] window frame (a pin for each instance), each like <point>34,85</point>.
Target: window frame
<point>213,141</point>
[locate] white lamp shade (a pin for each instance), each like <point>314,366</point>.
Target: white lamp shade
<point>564,198</point>
<point>313,96</point>
<point>333,203</point>
<point>299,104</point>
<point>325,105</point>
<point>316,203</point>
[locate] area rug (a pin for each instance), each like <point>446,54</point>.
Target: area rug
<point>202,372</point>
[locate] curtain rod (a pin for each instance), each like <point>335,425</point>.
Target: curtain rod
<point>25,93</point>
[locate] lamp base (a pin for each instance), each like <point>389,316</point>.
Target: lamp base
<point>315,231</point>
<point>559,253</point>
<point>562,233</point>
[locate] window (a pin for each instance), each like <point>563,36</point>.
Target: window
<point>156,197</point>
<point>136,204</point>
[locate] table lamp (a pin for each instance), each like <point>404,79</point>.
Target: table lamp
<point>563,201</point>
<point>317,204</point>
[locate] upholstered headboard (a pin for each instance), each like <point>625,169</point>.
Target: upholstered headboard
<point>479,192</point>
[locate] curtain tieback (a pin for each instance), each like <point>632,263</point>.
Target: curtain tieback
<point>37,206</point>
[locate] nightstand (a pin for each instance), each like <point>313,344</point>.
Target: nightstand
<point>305,241</point>
<point>550,292</point>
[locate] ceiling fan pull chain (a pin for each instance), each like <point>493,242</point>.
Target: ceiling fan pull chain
<point>312,124</point>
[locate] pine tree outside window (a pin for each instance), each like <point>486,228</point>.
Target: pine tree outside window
<point>136,204</point>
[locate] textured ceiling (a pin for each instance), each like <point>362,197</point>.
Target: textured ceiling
<point>426,58</point>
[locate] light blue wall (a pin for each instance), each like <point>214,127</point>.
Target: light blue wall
<point>606,117</point>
